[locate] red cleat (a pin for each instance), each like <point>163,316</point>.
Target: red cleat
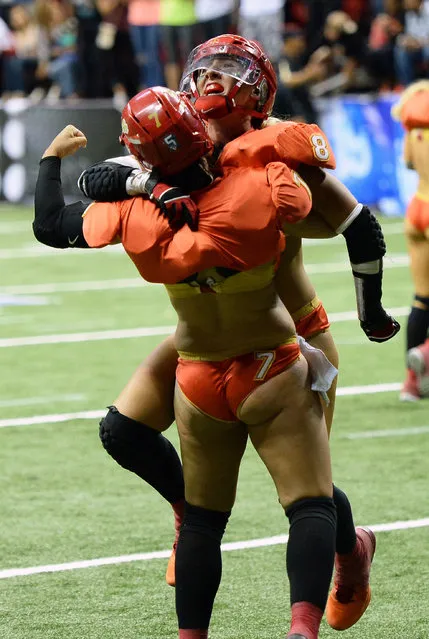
<point>351,594</point>
<point>170,575</point>
<point>418,362</point>
<point>410,390</point>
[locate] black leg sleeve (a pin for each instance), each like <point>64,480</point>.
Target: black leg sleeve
<point>145,452</point>
<point>311,549</point>
<point>346,532</point>
<point>418,323</point>
<point>198,565</point>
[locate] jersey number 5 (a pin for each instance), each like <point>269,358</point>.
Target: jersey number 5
<point>267,358</point>
<point>320,147</point>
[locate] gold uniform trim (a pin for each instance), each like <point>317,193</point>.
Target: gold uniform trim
<point>251,280</point>
<point>227,354</point>
<point>306,309</point>
<point>422,196</point>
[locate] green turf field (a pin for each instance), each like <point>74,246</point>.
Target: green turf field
<point>64,500</point>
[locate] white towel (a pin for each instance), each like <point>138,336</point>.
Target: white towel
<point>322,371</point>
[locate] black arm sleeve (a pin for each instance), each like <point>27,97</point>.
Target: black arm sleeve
<point>55,223</point>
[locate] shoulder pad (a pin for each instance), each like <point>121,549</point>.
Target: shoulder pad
<point>300,143</point>
<point>255,148</point>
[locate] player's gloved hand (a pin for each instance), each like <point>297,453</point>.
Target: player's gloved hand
<point>178,208</point>
<point>381,327</point>
<point>105,181</point>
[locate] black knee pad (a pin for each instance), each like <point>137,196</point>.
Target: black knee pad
<point>422,300</point>
<point>211,523</point>
<point>118,432</point>
<point>320,507</point>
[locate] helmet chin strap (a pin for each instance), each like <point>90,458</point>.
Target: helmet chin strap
<point>215,107</point>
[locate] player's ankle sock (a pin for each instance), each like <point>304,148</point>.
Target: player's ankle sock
<point>198,565</point>
<point>311,549</point>
<point>145,452</point>
<point>346,532</point>
<point>193,634</point>
<point>306,618</point>
<point>417,325</point>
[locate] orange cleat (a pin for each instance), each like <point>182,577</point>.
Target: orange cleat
<point>179,511</point>
<point>410,390</point>
<point>418,362</point>
<point>351,594</point>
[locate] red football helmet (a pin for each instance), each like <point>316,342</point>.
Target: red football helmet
<point>162,129</point>
<point>240,58</point>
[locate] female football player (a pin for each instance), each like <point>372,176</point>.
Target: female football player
<point>412,112</point>
<point>234,85</point>
<point>240,370</point>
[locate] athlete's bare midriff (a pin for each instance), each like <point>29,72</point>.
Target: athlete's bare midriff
<point>222,325</point>
<point>419,157</point>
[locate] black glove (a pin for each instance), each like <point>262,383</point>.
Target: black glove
<point>178,208</point>
<point>105,181</point>
<point>381,328</point>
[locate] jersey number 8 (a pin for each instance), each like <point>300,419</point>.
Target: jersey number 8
<point>320,147</point>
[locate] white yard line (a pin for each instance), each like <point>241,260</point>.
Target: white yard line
<point>97,414</point>
<point>68,338</point>
<point>392,432</point>
<point>149,331</point>
<point>398,261</point>
<point>391,229</point>
<point>343,391</point>
<point>34,401</point>
<point>51,419</point>
<point>164,554</point>
<point>75,287</point>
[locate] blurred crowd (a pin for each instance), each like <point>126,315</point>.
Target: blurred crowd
<point>69,49</point>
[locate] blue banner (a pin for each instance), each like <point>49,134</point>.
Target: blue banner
<point>368,146</point>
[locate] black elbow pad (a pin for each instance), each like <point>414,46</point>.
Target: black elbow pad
<point>364,238</point>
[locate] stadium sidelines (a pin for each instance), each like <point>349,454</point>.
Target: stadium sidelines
<point>8,573</point>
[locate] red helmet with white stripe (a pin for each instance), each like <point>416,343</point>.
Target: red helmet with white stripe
<point>162,129</point>
<point>244,60</point>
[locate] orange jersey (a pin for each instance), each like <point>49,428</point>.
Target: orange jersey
<point>239,225</point>
<point>290,142</point>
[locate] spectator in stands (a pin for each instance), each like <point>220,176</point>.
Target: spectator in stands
<point>385,29</point>
<point>343,49</point>
<point>145,32</point>
<point>7,48</point>
<point>412,47</point>
<point>120,72</point>
<point>178,22</point>
<point>296,73</point>
<point>317,13</point>
<point>87,66</point>
<point>20,68</point>
<point>262,20</point>
<point>214,18</point>
<point>57,47</point>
